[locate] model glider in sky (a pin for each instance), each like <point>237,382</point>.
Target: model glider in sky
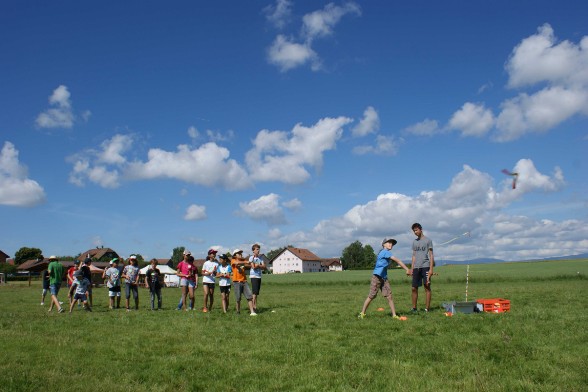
<point>514,177</point>
<point>466,234</point>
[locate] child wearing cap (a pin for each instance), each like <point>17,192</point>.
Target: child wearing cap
<point>208,274</point>
<point>82,289</point>
<point>131,275</point>
<point>380,278</point>
<point>223,273</point>
<point>113,283</point>
<point>238,264</point>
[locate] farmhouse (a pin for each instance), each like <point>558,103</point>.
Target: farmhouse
<point>102,254</point>
<point>302,260</point>
<point>3,257</point>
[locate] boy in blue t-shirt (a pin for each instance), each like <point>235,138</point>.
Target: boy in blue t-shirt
<point>380,278</point>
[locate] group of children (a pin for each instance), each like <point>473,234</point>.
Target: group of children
<point>421,271</point>
<point>228,272</point>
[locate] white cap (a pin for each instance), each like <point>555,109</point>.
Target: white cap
<point>187,252</point>
<point>237,251</point>
<point>133,257</point>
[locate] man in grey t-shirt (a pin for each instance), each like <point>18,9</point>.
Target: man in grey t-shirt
<point>423,262</point>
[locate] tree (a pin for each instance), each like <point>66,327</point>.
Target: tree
<point>177,255</point>
<point>357,256</point>
<point>24,254</point>
<point>369,257</point>
<point>352,257</point>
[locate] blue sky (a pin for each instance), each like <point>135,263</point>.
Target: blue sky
<point>142,126</point>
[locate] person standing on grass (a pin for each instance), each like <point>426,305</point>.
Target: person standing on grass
<point>131,275</point>
<point>153,284</point>
<point>380,278</point>
<point>223,273</point>
<point>238,264</point>
<point>45,279</point>
<point>87,272</point>
<point>208,279</point>
<point>423,262</point>
<point>188,274</point>
<point>257,267</point>
<point>70,279</point>
<point>55,269</point>
<point>82,288</point>
<point>112,274</point>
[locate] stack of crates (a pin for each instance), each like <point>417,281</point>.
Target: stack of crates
<point>495,305</point>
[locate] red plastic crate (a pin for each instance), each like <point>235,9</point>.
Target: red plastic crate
<point>495,305</point>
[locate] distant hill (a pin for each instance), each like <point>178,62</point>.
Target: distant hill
<point>489,260</point>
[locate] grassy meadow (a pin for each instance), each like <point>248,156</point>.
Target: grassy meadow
<point>307,337</point>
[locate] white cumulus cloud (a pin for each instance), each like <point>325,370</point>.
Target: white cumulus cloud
<point>195,212</point>
<point>370,123</point>
<point>266,208</point>
<point>287,54</point>
<point>279,14</point>
<point>60,115</point>
<point>472,120</point>
<point>282,156</point>
<point>16,189</point>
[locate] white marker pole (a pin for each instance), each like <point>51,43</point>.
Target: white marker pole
<point>467,281</point>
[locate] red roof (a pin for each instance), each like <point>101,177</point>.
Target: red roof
<point>302,254</point>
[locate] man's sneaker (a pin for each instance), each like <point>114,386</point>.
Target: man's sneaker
<point>414,310</point>
<point>361,315</point>
<point>253,314</point>
<point>60,310</point>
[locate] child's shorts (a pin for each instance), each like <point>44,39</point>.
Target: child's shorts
<point>379,283</point>
<point>81,297</point>
<point>114,291</point>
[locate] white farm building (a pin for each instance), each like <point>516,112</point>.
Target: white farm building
<point>302,260</point>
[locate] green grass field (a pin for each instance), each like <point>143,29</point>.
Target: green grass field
<point>307,337</point>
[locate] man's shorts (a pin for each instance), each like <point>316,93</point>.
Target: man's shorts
<point>242,288</point>
<point>133,288</point>
<point>381,284</point>
<point>54,288</point>
<point>255,285</point>
<point>114,291</point>
<point>419,276</point>
<point>225,289</point>
<point>189,283</point>
<point>81,297</point>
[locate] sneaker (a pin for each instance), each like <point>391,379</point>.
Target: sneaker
<point>361,315</point>
<point>128,310</point>
<point>426,310</point>
<point>42,303</point>
<point>253,314</point>
<point>60,310</point>
<point>400,318</point>
<point>414,310</point>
